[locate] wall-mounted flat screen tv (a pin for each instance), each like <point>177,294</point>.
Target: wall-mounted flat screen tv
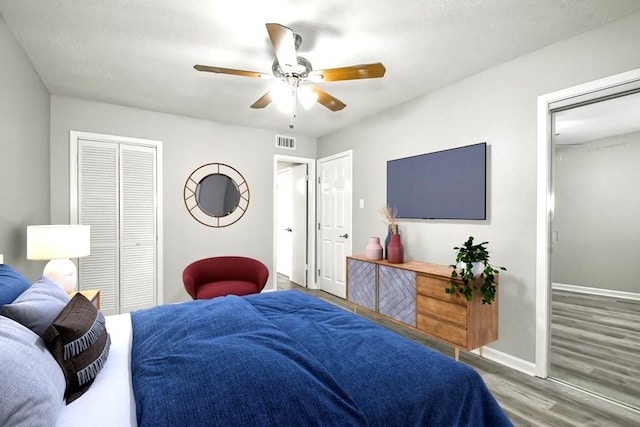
<point>449,184</point>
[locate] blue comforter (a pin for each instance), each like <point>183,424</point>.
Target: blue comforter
<point>289,359</point>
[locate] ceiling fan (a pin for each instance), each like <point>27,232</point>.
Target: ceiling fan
<point>296,75</point>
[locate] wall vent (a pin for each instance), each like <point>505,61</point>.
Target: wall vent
<point>287,142</point>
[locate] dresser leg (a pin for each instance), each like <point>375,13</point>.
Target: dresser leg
<point>480,350</point>
<point>456,353</point>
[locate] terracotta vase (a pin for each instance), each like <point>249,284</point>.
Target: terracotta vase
<point>373,250</point>
<point>396,250</point>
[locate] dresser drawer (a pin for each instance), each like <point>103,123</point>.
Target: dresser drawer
<point>431,286</point>
<point>448,332</point>
<point>450,311</point>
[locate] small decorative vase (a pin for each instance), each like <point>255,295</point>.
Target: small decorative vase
<point>373,250</point>
<point>387,240</point>
<point>396,250</point>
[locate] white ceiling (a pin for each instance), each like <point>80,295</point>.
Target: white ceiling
<point>141,53</point>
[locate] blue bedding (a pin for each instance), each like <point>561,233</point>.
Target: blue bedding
<point>289,359</point>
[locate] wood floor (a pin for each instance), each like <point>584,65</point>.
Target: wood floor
<point>595,344</point>
<point>527,400</point>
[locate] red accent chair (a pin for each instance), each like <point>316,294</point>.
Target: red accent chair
<point>224,275</point>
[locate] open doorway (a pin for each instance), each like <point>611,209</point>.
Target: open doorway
<point>294,214</point>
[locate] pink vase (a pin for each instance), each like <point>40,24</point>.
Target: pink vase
<point>396,250</point>
<point>373,251</point>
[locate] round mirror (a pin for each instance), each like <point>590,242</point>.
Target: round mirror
<point>216,195</point>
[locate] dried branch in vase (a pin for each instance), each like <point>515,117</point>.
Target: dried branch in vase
<point>390,218</point>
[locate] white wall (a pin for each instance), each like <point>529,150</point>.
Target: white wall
<point>596,213</point>
<point>24,154</point>
<point>497,106</point>
<point>187,144</point>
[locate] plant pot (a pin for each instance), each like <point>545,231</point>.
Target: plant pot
<point>395,250</point>
<point>476,268</point>
<point>373,251</point>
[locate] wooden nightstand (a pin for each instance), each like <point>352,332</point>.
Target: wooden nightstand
<point>92,295</point>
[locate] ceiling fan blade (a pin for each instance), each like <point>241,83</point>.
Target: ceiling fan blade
<point>284,46</point>
<point>263,101</point>
<point>221,70</point>
<point>331,102</point>
<point>354,72</point>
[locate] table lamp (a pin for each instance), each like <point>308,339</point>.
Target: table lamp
<point>58,243</point>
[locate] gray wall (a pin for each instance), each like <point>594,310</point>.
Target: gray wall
<point>497,106</point>
<point>187,144</point>
<point>24,154</point>
<point>597,212</point>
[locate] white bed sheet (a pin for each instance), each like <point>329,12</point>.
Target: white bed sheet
<point>109,401</point>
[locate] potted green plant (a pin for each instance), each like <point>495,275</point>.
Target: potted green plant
<point>474,270</point>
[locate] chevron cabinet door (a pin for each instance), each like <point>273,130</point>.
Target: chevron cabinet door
<point>362,283</point>
<point>397,294</point>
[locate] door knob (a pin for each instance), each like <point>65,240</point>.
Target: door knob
<point>345,235</point>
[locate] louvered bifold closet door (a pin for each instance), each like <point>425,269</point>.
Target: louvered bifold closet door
<point>138,228</point>
<point>117,197</point>
<point>98,206</point>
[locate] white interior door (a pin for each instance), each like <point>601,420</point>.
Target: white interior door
<point>299,209</point>
<point>283,222</point>
<point>334,221</point>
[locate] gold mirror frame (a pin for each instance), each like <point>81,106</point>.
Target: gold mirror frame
<point>190,194</point>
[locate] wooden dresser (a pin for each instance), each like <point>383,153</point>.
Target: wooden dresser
<point>413,293</point>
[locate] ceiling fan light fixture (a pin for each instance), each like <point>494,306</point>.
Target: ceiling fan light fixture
<point>307,97</point>
<point>282,95</point>
<point>291,70</point>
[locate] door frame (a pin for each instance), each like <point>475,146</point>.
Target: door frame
<point>74,137</point>
<point>545,196</point>
<point>311,216</point>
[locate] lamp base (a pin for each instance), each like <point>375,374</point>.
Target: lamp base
<point>63,272</point>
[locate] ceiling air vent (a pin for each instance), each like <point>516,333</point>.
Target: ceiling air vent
<point>287,142</point>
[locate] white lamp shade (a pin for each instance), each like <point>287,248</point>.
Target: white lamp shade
<point>46,242</point>
<point>58,243</point>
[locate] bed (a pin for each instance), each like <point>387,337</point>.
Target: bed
<point>273,359</point>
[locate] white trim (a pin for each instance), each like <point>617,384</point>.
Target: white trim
<point>545,206</point>
<point>542,239</point>
<point>596,291</point>
<point>509,361</point>
<point>311,220</point>
<point>74,137</point>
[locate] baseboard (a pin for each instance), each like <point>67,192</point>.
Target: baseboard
<point>596,291</point>
<point>508,360</point>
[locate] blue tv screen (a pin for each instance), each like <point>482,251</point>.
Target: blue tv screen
<point>449,184</point>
